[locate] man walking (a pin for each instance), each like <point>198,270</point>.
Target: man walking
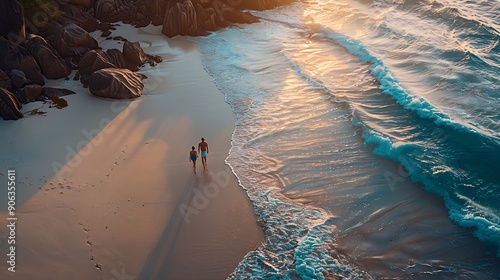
<point>203,147</point>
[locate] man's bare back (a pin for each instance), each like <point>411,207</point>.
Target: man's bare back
<point>203,150</point>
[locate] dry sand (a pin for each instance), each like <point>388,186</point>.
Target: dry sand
<point>125,202</point>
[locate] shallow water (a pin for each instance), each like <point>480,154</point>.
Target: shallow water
<point>367,137</point>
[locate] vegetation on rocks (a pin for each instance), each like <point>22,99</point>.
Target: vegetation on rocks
<point>40,12</point>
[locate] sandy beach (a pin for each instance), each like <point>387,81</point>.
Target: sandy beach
<point>105,189</point>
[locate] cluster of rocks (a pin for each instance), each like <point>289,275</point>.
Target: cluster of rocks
<point>21,79</point>
<point>63,45</point>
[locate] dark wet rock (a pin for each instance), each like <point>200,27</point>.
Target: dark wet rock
<point>98,59</point>
<point>107,10</point>
<point>106,33</point>
<point>156,10</point>
<point>118,59</point>
<point>140,20</point>
<point>69,40</point>
<point>29,93</point>
<point>135,57</point>
<point>257,5</point>
<point>14,56</point>
<point>9,105</point>
<point>51,28</point>
<point>92,61</point>
<point>221,22</point>
<point>32,93</point>
<point>197,18</point>
<point>132,12</point>
<point>5,81</point>
<point>51,64</point>
<point>56,92</point>
<point>116,83</point>
<point>236,16</point>
<point>134,53</point>
<point>182,19</point>
<point>12,20</point>
<point>54,95</point>
<point>72,62</point>
<point>206,18</point>
<point>107,25</point>
<point>84,3</point>
<point>154,59</point>
<point>106,28</point>
<point>79,16</point>
<point>119,38</point>
<point>58,102</point>
<point>132,58</point>
<point>18,78</point>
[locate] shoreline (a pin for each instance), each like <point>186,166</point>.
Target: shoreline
<point>114,205</point>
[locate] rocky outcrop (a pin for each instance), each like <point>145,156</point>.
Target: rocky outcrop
<point>108,10</point>
<point>32,93</point>
<point>257,5</point>
<point>132,57</point>
<point>195,19</point>
<point>117,57</point>
<point>133,12</point>
<point>91,62</point>
<point>51,92</point>
<point>51,64</point>
<point>29,93</point>
<point>153,60</point>
<point>66,44</point>
<point>134,53</point>
<point>236,16</point>
<point>182,19</point>
<point>16,57</point>
<point>9,105</point>
<point>18,78</point>
<point>83,3</point>
<point>156,10</point>
<point>69,40</point>
<point>79,16</point>
<point>54,95</point>
<point>206,17</point>
<point>5,81</point>
<point>136,57</point>
<point>97,59</point>
<point>12,20</point>
<point>116,83</point>
<point>106,28</point>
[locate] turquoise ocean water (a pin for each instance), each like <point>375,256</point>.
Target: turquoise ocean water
<point>367,137</point>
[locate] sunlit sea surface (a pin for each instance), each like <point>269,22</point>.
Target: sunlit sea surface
<point>367,137</point>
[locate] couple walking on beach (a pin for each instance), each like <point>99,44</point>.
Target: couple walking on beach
<point>203,149</point>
